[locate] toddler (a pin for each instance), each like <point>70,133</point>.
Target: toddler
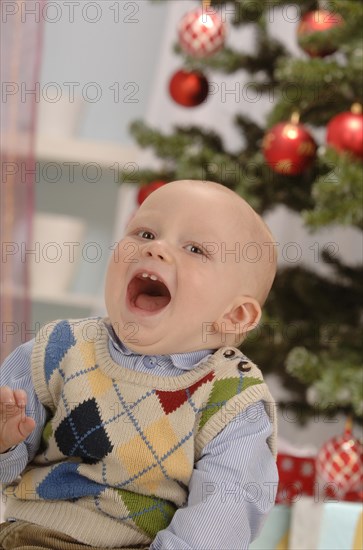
<point>149,428</point>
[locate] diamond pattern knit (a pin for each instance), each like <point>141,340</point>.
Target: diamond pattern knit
<point>118,451</point>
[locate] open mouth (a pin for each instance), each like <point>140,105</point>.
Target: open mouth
<point>146,292</point>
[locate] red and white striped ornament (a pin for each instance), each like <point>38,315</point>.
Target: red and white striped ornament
<point>340,463</point>
<point>201,32</point>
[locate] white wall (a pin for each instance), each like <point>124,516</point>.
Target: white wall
<point>121,46</point>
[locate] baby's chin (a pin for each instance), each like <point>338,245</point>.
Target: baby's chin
<point>158,337</point>
<point>139,340</point>
<point>152,348</point>
<point>161,346</point>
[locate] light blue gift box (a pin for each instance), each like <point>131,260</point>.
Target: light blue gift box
<point>326,526</point>
<point>311,525</point>
<point>275,532</point>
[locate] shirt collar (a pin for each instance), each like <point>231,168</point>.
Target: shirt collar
<point>184,361</point>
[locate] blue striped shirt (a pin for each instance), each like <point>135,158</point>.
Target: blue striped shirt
<point>233,485</point>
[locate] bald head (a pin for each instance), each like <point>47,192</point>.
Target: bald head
<point>256,245</point>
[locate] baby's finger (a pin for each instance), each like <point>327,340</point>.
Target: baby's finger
<point>26,426</point>
<point>8,405</point>
<point>7,395</point>
<point>20,398</point>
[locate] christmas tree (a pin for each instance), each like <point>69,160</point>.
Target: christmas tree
<point>320,180</point>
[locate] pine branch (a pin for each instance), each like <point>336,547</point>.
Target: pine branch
<point>338,195</point>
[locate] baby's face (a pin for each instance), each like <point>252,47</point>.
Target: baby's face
<point>171,279</point>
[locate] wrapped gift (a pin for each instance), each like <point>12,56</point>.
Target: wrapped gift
<point>275,532</point>
<point>296,477</point>
<point>326,526</point>
<point>334,472</point>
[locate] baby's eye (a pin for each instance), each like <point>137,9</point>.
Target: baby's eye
<point>146,234</point>
<point>195,249</point>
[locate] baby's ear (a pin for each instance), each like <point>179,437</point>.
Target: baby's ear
<point>243,316</point>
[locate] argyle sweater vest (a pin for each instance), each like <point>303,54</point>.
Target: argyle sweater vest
<point>118,451</point>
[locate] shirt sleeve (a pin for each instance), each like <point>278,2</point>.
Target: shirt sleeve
<point>232,489</point>
<point>15,373</point>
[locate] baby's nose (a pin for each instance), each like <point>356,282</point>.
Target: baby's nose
<point>157,250</point>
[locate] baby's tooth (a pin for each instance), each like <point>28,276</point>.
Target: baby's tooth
<point>144,275</point>
<point>153,277</point>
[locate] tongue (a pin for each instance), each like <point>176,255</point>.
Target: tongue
<point>151,303</point>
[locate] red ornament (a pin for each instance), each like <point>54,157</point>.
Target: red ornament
<point>146,190</point>
<point>188,88</point>
<point>201,33</point>
<point>318,21</point>
<point>345,131</point>
<point>289,148</point>
<point>339,463</point>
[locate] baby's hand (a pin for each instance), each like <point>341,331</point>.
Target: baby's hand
<point>15,426</point>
